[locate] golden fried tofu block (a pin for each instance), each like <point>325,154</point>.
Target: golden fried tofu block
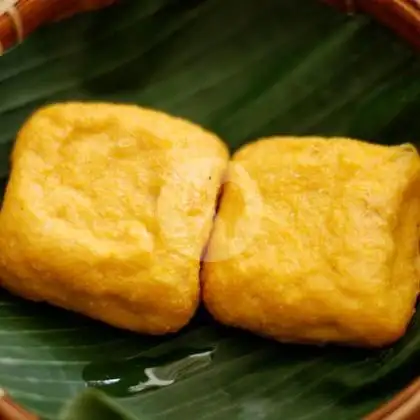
<point>317,240</point>
<point>107,212</point>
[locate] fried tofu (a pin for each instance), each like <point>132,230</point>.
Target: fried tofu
<point>107,212</point>
<point>317,241</point>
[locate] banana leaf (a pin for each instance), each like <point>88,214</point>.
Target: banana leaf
<point>244,69</point>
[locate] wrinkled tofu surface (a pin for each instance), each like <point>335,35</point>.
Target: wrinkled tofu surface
<point>107,212</point>
<point>316,240</point>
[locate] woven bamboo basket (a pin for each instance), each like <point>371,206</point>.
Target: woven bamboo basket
<point>19,18</point>
<point>403,16</point>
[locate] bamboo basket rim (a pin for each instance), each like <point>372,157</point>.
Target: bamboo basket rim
<point>402,16</point>
<point>19,18</point>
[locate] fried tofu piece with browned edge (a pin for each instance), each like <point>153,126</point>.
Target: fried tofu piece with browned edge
<point>317,241</point>
<point>107,212</point>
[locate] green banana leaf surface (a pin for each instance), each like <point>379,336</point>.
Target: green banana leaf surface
<point>243,68</point>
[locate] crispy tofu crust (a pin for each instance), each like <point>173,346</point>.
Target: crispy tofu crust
<point>107,212</point>
<point>316,240</point>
